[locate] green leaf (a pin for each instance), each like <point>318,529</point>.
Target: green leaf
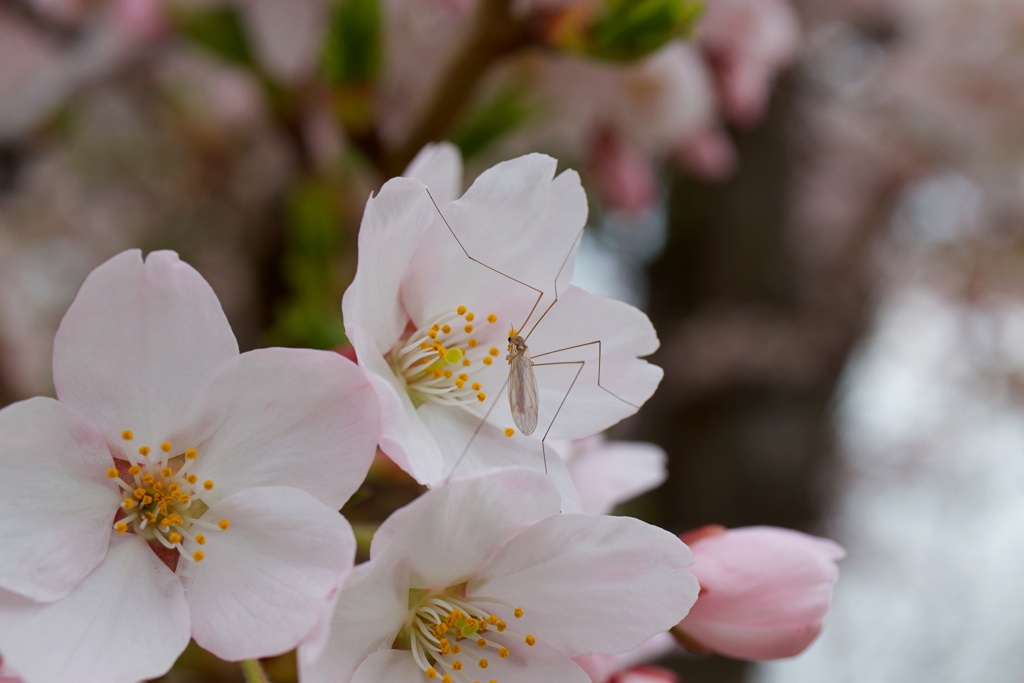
<point>628,30</point>
<point>352,51</point>
<point>217,30</point>
<point>487,123</point>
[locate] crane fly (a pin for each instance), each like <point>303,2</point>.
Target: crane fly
<point>523,394</point>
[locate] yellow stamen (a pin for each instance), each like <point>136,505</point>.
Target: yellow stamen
<point>143,450</point>
<point>460,383</point>
<point>494,351</point>
<point>198,556</point>
<point>487,360</point>
<point>208,484</point>
<point>174,538</point>
<point>166,446</point>
<point>481,397</point>
<point>127,435</point>
<point>470,316</point>
<point>468,329</point>
<point>518,612</point>
<point>224,524</point>
<point>457,666</point>
<point>134,469</point>
<point>192,478</point>
<point>475,386</point>
<point>473,343</point>
<point>191,454</point>
<point>432,334</point>
<point>128,503</point>
<point>466,362</point>
<point>492,318</point>
<point>482,663</point>
<point>200,539</point>
<point>446,329</point>
<point>503,652</point>
<point>530,640</point>
<point>112,473</point>
<point>509,431</point>
<point>166,472</point>
<point>431,673</point>
<point>461,310</point>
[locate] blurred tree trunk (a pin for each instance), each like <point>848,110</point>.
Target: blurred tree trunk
<point>755,335</point>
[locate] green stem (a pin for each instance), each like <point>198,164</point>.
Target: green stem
<point>253,671</point>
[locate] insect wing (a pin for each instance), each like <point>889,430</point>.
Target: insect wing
<point>522,393</point>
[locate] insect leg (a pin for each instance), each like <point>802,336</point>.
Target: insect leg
<point>581,363</point>
<point>577,346</point>
<point>479,425</point>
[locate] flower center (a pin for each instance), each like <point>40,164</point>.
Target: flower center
<point>438,363</point>
<point>163,498</point>
<point>451,638</point>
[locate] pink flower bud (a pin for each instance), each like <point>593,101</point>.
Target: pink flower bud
<point>764,590</point>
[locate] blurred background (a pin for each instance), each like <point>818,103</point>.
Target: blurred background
<point>819,204</point>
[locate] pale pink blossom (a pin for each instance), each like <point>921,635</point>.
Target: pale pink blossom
<point>175,489</point>
<point>490,558</point>
<point>431,326</point>
<point>632,666</point>
<point>7,675</point>
<point>607,473</point>
<point>748,42</point>
<point>765,591</point>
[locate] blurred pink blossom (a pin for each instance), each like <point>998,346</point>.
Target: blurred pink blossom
<point>606,473</point>
<point>632,666</point>
<point>747,42</point>
<point>765,591</point>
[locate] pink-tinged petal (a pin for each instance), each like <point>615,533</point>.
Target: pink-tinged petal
<point>388,241</point>
<point>591,584</point>
<point>647,674</point>
<point>138,343</point>
<point>7,674</point>
<point>491,449</point>
<point>580,319</point>
<point>388,666</point>
<point>126,621</point>
<point>368,614</point>
<point>403,436</point>
<point>265,582</point>
<point>439,167</point>
<point>287,36</point>
<point>525,664</point>
<point>301,418</point>
<point>57,504</point>
<point>765,591</point>
<point>452,530</point>
<point>606,473</point>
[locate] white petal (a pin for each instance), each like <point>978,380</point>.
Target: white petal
<point>450,531</point>
<point>370,610</point>
<point>607,473</point>
<point>138,343</point>
<point>265,582</point>
<point>583,585</point>
<point>439,167</point>
<point>57,504</point>
<point>127,621</point>
<point>302,418</point>
<point>388,666</point>
<point>525,664</point>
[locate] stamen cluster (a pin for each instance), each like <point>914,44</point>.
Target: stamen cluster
<point>163,498</point>
<point>444,627</point>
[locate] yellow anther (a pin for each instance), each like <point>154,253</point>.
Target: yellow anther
<point>432,334</point>
<point>191,478</point>
<point>463,376</point>
<point>121,527</point>
<point>134,469</point>
<point>493,619</point>
<point>174,538</point>
<point>512,332</point>
<point>224,524</point>
<point>457,665</point>
<point>503,652</point>
<point>191,454</point>
<point>501,626</point>
<point>466,362</point>
<point>208,484</point>
<point>128,503</point>
<point>494,351</point>
<point>424,345</point>
<point>112,473</point>
<point>139,493</point>
<point>198,555</point>
<point>431,673</point>
<point>461,310</point>
<point>147,478</point>
<point>530,640</point>
<point>446,329</point>
<point>481,397</point>
<point>488,360</point>
<point>475,386</point>
<point>166,472</point>
<point>470,316</point>
<point>509,431</point>
<point>492,318</point>
<point>482,663</point>
<point>447,374</point>
<point>200,539</point>
<point>460,383</point>
<point>127,435</point>
<point>165,522</point>
<point>143,450</point>
<point>166,446</point>
<point>456,649</point>
<point>518,612</point>
<point>481,642</point>
<point>159,486</point>
<point>468,329</point>
<point>446,678</point>
<point>472,343</point>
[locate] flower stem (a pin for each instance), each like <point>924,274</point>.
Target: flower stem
<point>253,671</point>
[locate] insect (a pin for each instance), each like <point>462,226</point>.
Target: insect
<point>523,394</point>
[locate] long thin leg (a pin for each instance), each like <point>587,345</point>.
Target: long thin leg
<point>577,346</point>
<point>543,439</point>
<point>479,426</point>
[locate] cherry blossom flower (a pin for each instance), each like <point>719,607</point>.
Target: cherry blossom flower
<point>764,590</point>
<point>483,577</point>
<point>607,473</point>
<point>175,489</point>
<point>632,666</point>
<point>431,326</point>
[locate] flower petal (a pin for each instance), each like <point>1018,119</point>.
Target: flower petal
<point>127,621</point>
<point>606,473</point>
<point>302,418</point>
<point>57,504</point>
<point>265,582</point>
<point>439,167</point>
<point>450,532</point>
<point>388,666</point>
<point>765,591</point>
<point>369,612</point>
<point>582,587</point>
<point>137,344</point>
<point>526,664</point>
